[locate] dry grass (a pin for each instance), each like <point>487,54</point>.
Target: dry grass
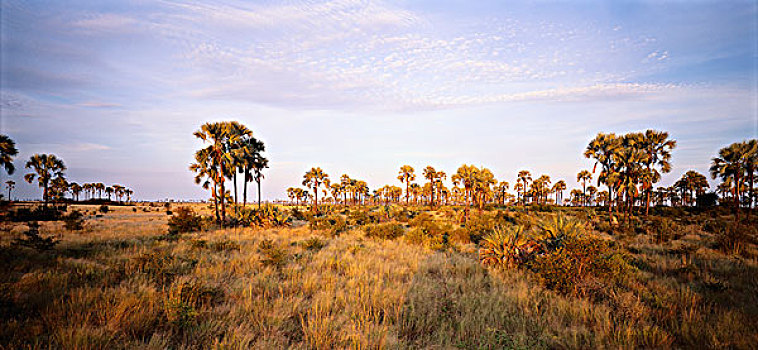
<point>117,284</point>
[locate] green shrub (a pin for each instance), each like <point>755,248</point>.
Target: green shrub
<point>429,233</point>
<point>388,230</point>
<point>74,221</point>
<point>40,213</point>
<point>104,209</point>
<point>556,229</point>
<point>663,229</point>
<point>185,220</point>
<point>583,266</point>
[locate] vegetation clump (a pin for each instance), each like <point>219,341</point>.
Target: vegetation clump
<point>74,221</point>
<point>184,220</point>
<point>331,224</point>
<point>265,216</point>
<point>33,239</point>
<point>389,230</point>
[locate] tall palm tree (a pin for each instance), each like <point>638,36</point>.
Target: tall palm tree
<point>603,148</point>
<point>751,166</point>
<point>658,147</point>
<point>466,176</point>
<point>206,175</point>
<point>524,176</point>
<point>431,174</point>
<point>502,189</point>
<point>313,179</point>
<point>221,137</point>
<point>406,175</point>
<point>109,191</point>
<point>731,164</point>
<point>584,176</point>
<point>10,185</point>
<point>75,190</point>
<point>544,185</point>
<point>483,186</point>
<point>630,159</point>
<point>558,189</point>
<point>7,152</point>
<point>46,169</point>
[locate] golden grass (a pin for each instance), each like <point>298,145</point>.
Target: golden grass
<point>118,285</point>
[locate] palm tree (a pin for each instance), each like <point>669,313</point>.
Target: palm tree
<point>406,175</point>
<point>584,176</point>
<point>542,188</point>
<point>207,173</point>
<point>10,185</point>
<point>46,169</point>
<point>109,191</point>
<point>7,152</point>
<point>731,164</point>
<point>221,136</point>
<point>100,187</point>
<point>751,166</point>
<point>603,148</point>
<point>558,189</point>
<point>630,158</point>
<point>75,190</point>
<point>501,188</point>
<point>524,176</point>
<point>314,179</point>
<point>466,176</point>
<point>431,174</point>
<point>658,147</point>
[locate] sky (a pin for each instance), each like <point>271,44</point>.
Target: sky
<point>117,88</point>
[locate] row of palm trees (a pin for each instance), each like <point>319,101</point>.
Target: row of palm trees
<point>231,151</point>
<point>629,165</point>
<point>49,172</point>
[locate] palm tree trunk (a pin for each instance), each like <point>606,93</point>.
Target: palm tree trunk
<point>244,190</point>
<point>234,178</point>
<point>223,201</point>
<point>259,192</point>
<point>215,201</point>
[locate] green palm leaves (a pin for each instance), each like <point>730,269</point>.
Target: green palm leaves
<point>734,164</point>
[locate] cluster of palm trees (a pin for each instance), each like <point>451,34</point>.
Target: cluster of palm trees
<point>630,165</point>
<point>231,151</point>
<point>736,166</point>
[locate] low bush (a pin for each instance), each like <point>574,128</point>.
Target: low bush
<point>583,266</point>
<point>33,239</point>
<point>265,216</point>
<point>733,237</point>
<point>388,230</point>
<point>40,213</point>
<point>507,247</point>
<point>426,231</point>
<point>313,243</point>
<point>663,229</point>
<point>103,209</point>
<point>185,220</point>
<point>332,224</point>
<point>272,254</point>
<point>74,221</point>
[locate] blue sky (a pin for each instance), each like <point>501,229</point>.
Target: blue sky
<point>361,87</point>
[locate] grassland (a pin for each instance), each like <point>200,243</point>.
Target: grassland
<point>122,282</point>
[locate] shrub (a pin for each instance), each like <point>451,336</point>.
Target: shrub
<point>583,266</point>
<point>427,232</point>
<point>555,230</point>
<point>32,239</point>
<point>388,230</point>
<point>333,224</point>
<point>663,229</point>
<point>74,221</point>
<point>265,216</point>
<point>272,254</point>
<point>313,243</point>
<point>185,220</point>
<point>104,209</point>
<point>507,247</point>
<point>732,237</point>
<point>41,213</point>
